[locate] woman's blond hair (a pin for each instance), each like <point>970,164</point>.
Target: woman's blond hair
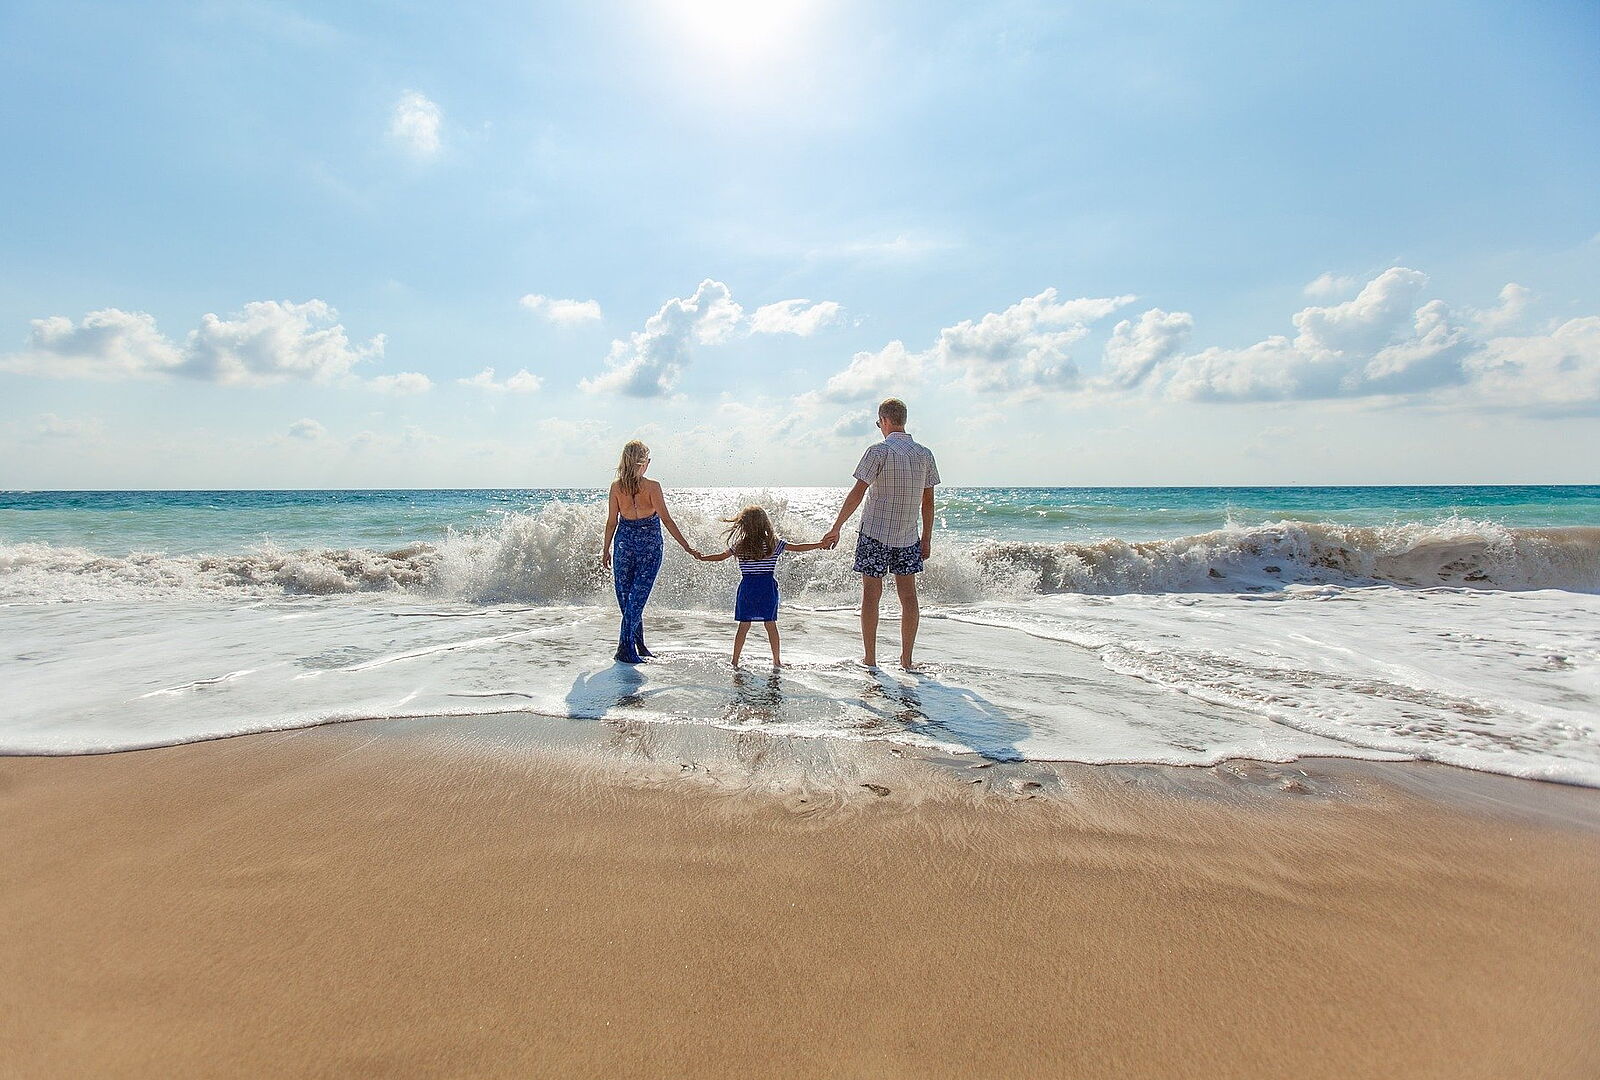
<point>751,535</point>
<point>633,454</point>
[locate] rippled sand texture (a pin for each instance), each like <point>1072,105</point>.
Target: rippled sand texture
<point>455,898</point>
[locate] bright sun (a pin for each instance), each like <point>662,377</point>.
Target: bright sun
<point>741,30</point>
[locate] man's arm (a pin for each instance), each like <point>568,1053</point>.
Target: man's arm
<point>927,522</point>
<point>851,501</point>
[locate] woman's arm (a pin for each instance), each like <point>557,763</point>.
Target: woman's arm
<point>612,510</point>
<point>666,519</point>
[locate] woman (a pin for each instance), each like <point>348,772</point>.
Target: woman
<point>634,517</point>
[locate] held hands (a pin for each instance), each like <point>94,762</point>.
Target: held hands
<point>830,539</point>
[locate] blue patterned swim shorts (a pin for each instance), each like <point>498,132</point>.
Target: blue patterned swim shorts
<point>874,558</point>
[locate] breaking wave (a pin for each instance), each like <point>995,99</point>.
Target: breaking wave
<point>551,557</point>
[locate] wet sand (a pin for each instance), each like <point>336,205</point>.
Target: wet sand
<point>497,898</point>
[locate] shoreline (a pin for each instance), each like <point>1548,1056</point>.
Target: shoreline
<point>450,898</point>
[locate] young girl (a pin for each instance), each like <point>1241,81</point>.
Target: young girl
<point>756,545</point>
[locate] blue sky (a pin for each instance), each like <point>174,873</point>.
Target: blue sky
<point>266,244</point>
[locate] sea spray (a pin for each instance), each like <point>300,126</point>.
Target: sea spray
<point>552,556</point>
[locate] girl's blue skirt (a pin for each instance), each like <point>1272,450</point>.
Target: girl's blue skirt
<point>757,600</point>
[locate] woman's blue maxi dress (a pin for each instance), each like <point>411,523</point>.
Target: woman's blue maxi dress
<point>635,561</point>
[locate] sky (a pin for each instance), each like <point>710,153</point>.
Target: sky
<point>277,245</point>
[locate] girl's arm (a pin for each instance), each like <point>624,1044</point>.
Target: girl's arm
<point>666,519</point>
<point>714,558</point>
<point>804,547</point>
<point>612,510</point>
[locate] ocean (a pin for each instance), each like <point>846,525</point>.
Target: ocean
<point>1167,625</point>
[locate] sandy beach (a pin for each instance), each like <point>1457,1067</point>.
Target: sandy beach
<point>500,898</point>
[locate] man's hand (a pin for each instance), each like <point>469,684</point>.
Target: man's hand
<point>927,549</point>
<point>830,539</point>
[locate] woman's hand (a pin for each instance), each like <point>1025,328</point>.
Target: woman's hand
<point>605,559</point>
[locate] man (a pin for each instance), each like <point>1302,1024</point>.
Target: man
<point>896,477</point>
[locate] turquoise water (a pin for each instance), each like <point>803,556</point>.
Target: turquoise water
<point>1176,625</point>
<point>190,522</point>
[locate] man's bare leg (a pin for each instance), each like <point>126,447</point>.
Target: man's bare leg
<point>772,639</point>
<point>910,615</point>
<point>871,594</point>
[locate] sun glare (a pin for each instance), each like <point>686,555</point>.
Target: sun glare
<point>740,30</point>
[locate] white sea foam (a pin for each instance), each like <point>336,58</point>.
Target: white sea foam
<point>1461,642</point>
<point>552,557</point>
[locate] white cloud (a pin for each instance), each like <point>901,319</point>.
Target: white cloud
<point>854,425</point>
<point>1384,343</point>
<point>563,312</point>
<point>1377,343</point>
<point>651,361</point>
<point>799,317</point>
<point>875,374</point>
<point>403,382</point>
<point>107,344</point>
<point>307,429</point>
<point>1138,350</point>
<point>1555,372</point>
<point>523,382</point>
<point>415,124</point>
<point>268,342</point>
<point>1023,348</point>
<point>1511,310</point>
<point>271,342</point>
<point>1330,285</point>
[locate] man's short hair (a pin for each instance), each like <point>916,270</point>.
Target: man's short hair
<point>894,411</point>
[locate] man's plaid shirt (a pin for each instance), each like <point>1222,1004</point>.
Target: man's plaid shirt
<point>898,470</point>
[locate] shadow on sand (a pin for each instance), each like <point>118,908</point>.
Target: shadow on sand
<point>926,706</point>
<point>619,686</point>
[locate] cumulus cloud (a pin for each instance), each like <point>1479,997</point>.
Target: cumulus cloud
<point>1025,347</point>
<point>651,361</point>
<point>1330,285</point>
<point>415,124</point>
<point>874,374</point>
<point>523,382</point>
<point>307,429</point>
<point>106,344</point>
<point>798,317</point>
<point>1379,342</point>
<point>1556,372</point>
<point>403,382</point>
<point>1511,310</point>
<point>563,312</point>
<point>267,342</point>
<point>1021,350</point>
<point>1389,342</point>
<point>855,425</point>
<point>1137,350</point>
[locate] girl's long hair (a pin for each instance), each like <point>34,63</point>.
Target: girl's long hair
<point>751,535</point>
<point>628,468</point>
